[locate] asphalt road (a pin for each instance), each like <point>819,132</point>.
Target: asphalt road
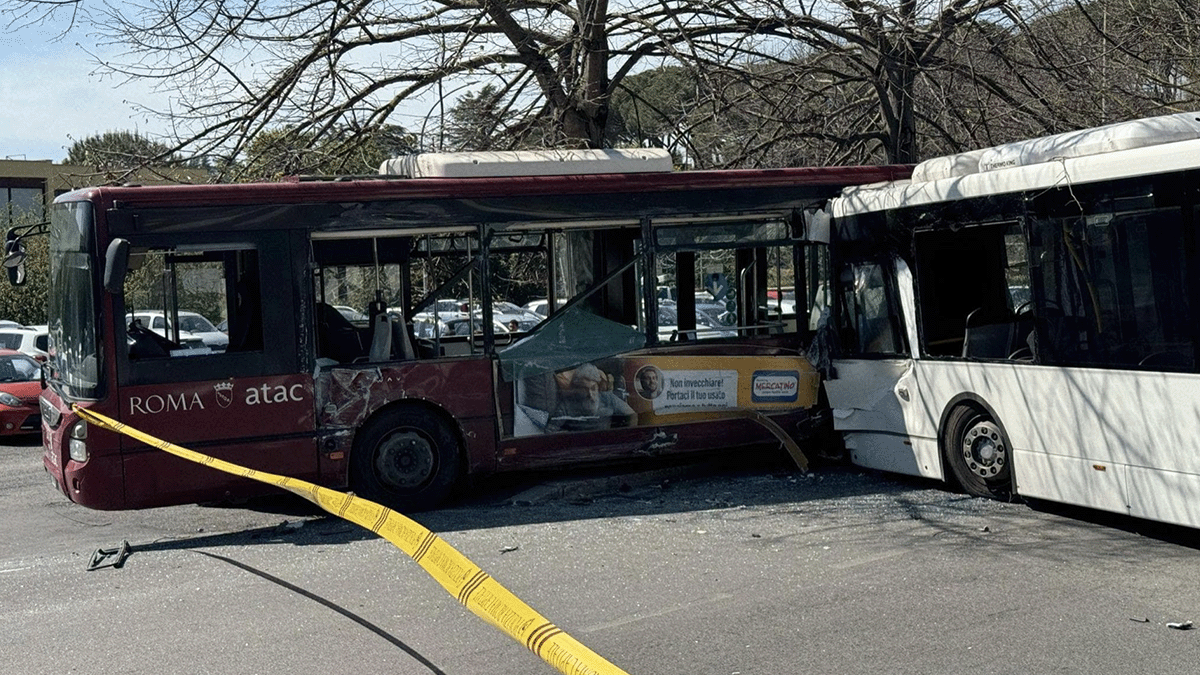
<point>716,569</point>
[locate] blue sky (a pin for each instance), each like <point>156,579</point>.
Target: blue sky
<point>50,96</point>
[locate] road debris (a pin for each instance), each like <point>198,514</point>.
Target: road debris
<point>110,557</point>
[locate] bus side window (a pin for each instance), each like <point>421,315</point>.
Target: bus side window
<point>871,322</point>
<point>192,304</point>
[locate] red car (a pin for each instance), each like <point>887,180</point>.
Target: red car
<point>20,385</point>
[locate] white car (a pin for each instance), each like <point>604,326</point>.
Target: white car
<point>31,341</point>
<point>507,312</point>
<point>192,327</point>
<point>542,306</point>
<point>706,325</point>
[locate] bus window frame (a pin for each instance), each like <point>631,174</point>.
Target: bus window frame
<point>276,357</point>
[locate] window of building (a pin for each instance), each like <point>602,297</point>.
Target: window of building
<point>23,200</point>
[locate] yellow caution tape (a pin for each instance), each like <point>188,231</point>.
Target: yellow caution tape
<point>462,578</point>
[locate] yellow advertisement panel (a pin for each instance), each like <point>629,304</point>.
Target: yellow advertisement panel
<point>663,386</point>
<point>642,390</point>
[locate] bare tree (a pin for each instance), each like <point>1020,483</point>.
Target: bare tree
<point>1151,52</point>
<point>770,81</point>
<point>852,80</point>
<point>857,81</point>
<point>236,69</point>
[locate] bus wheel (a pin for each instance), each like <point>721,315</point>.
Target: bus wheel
<point>977,453</point>
<point>406,459</point>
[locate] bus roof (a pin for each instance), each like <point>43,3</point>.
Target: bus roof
<point>1126,149</point>
<point>387,188</point>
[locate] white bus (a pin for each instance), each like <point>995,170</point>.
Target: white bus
<point>1018,320</point>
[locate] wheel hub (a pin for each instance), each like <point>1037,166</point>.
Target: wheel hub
<point>984,450</point>
<point>404,460</point>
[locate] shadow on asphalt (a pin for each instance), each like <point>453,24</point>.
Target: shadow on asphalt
<point>1164,532</point>
<point>23,440</point>
<point>668,486</point>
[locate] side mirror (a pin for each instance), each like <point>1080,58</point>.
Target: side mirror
<point>14,258</point>
<point>116,264</point>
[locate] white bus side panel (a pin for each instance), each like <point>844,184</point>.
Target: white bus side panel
<point>1108,439</point>
<point>884,426</point>
<point>1071,480</point>
<point>1165,495</point>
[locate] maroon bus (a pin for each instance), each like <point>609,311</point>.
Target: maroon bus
<point>368,332</point>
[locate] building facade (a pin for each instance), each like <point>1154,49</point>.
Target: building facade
<point>28,187</point>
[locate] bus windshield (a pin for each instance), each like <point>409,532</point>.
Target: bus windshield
<point>73,354</point>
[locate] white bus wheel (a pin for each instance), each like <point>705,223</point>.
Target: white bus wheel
<point>977,453</point>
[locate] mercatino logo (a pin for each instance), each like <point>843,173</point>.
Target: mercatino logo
<point>775,386</point>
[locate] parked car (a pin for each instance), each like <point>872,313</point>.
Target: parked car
<point>31,341</point>
<point>507,312</point>
<point>542,306</point>
<point>706,326</point>
<point>467,326</point>
<point>427,326</point>
<point>193,327</point>
<point>20,386</point>
<point>784,301</point>
<point>5,323</point>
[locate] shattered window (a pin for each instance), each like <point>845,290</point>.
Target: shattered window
<point>871,320</point>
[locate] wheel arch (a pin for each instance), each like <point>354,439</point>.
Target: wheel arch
<point>421,405</point>
<point>968,398</point>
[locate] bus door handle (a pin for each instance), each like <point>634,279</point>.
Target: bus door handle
<point>902,392</point>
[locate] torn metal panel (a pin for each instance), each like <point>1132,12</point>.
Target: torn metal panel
<point>869,395</point>
<point>348,395</point>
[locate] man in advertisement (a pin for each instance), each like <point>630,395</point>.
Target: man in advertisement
<point>589,404</point>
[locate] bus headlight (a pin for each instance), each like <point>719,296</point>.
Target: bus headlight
<point>77,447</point>
<point>9,400</point>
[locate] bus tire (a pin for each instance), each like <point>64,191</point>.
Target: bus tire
<point>405,458</point>
<point>977,453</point>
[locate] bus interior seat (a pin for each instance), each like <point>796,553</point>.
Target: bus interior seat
<point>536,397</point>
<point>402,341</point>
<point>989,335</point>
<point>337,338</point>
<point>381,337</point>
<point>144,343</point>
<point>245,328</point>
<point>1024,347</point>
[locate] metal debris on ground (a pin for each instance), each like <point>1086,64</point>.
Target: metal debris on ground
<point>110,557</point>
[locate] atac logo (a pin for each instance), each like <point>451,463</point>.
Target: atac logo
<point>224,392</point>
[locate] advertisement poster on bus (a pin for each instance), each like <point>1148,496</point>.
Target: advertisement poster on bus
<point>653,390</point>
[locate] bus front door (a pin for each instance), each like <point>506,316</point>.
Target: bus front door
<point>873,394</point>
